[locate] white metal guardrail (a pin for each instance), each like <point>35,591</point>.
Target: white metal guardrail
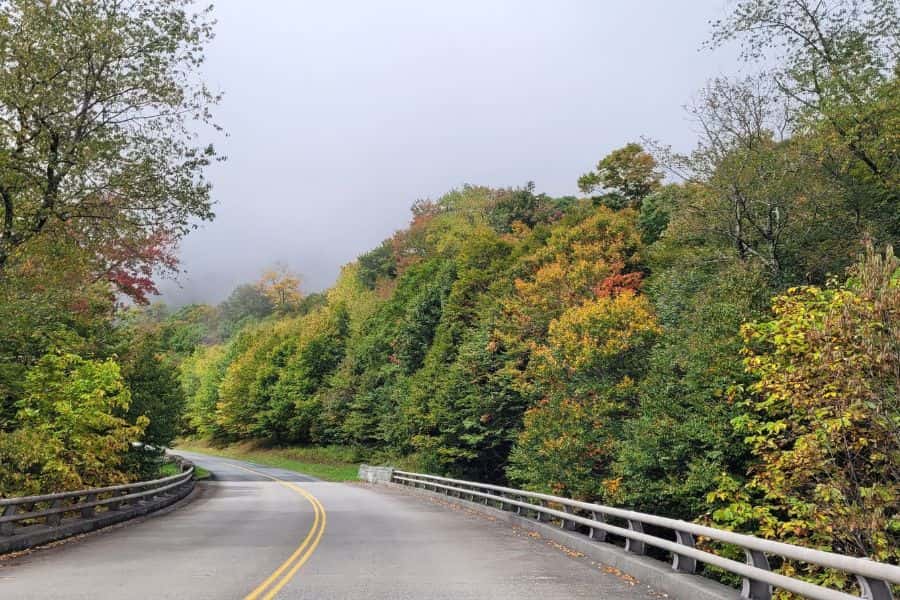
<point>32,520</point>
<point>875,579</point>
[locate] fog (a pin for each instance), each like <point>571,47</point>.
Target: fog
<point>341,114</point>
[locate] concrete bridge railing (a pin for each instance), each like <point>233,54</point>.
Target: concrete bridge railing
<point>678,538</point>
<point>34,520</point>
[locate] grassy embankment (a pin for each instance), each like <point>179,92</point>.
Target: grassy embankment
<point>167,469</point>
<point>330,464</point>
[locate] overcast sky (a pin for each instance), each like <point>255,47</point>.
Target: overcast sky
<point>341,114</point>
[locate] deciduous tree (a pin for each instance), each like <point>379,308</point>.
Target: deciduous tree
<point>98,106</point>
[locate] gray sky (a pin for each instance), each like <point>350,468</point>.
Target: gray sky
<point>340,114</point>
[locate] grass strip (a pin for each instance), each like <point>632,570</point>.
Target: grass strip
<point>322,463</point>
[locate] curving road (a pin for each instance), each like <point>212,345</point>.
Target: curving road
<point>256,533</point>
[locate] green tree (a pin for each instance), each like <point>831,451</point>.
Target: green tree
<point>657,209</point>
<point>756,193</point>
<point>377,264</point>
<point>94,110</point>
<point>628,174</point>
<point>152,379</point>
<point>245,302</point>
<point>836,64</point>
<point>679,438</point>
<point>71,409</point>
<point>48,301</point>
<point>587,371</point>
<point>200,375</point>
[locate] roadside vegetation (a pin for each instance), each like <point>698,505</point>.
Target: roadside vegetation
<point>708,335</point>
<point>167,469</point>
<point>103,116</point>
<point>329,464</point>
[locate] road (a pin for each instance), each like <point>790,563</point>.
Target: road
<point>257,532</point>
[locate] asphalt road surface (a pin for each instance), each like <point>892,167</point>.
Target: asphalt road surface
<point>257,533</point>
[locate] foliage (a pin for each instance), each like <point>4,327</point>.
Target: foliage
<point>628,174</point>
<point>679,438</point>
<point>656,210</point>
<point>246,302</point>
<point>822,419</point>
<point>200,375</point>
<point>70,435</point>
<point>156,395</point>
<point>95,142</point>
<point>47,302</point>
<point>836,63</point>
<point>380,263</point>
<point>282,288</point>
<point>587,372</point>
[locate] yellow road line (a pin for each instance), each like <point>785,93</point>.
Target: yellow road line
<point>303,551</point>
<point>303,559</point>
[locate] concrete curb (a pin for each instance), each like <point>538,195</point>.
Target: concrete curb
<point>655,573</point>
<point>38,535</point>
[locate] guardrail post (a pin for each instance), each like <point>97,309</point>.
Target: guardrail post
<point>752,589</point>
<point>538,514</point>
<point>54,519</point>
<point>7,528</point>
<point>874,589</point>
<point>565,523</point>
<point>117,503</point>
<point>635,546</point>
<point>88,512</point>
<point>597,534</point>
<point>681,563</point>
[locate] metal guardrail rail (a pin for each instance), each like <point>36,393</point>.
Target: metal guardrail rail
<point>31,520</point>
<point>874,578</point>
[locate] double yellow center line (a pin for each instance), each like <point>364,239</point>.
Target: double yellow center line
<point>269,588</point>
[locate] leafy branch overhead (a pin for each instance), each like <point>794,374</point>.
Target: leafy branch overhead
<point>99,107</point>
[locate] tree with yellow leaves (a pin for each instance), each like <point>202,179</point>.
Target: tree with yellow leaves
<point>282,287</point>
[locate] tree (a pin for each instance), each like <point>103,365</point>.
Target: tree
<point>70,416</point>
<point>756,194</point>
<point>657,209</point>
<point>587,370</point>
<point>48,302</point>
<point>245,301</point>
<point>679,437</point>
<point>98,106</point>
<point>822,419</point>
<point>201,375</point>
<point>836,62</point>
<point>152,379</point>
<point>377,264</point>
<point>282,287</point>
<point>628,173</point>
